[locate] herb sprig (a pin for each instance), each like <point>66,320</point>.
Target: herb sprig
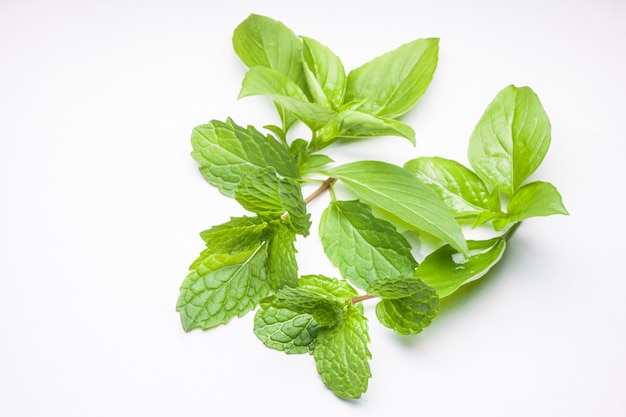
<point>249,262</point>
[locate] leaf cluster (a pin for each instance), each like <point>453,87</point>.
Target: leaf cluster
<point>249,262</point>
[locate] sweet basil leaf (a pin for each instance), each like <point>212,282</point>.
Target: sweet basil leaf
<point>446,269</point>
<point>392,83</point>
<point>398,192</point>
<point>511,139</point>
<point>362,246</point>
<point>265,42</point>
<point>356,124</point>
<point>325,70</point>
<point>262,41</point>
<point>286,93</point>
<point>460,188</point>
<point>532,200</point>
<point>226,152</point>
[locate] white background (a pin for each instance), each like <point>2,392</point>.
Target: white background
<point>101,206</point>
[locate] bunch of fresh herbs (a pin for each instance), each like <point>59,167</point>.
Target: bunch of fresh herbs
<point>249,263</point>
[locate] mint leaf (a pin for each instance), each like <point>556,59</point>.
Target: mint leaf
<point>408,315</point>
<point>459,187</point>
<point>286,322</point>
<point>532,200</point>
<point>226,152</point>
<point>262,192</point>
<point>446,269</point>
<point>356,124</point>
<point>362,246</point>
<point>236,235</point>
<point>398,192</point>
<point>327,311</point>
<point>342,356</point>
<point>392,83</point>
<point>221,286</point>
<point>511,139</point>
<point>285,330</point>
<point>331,287</point>
<point>393,287</point>
<point>324,73</point>
<point>408,304</point>
<point>286,93</point>
<point>282,267</point>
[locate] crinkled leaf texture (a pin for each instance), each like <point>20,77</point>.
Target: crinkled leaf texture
<point>342,356</point>
<point>245,259</point>
<point>408,304</point>
<point>398,192</point>
<point>510,140</point>
<point>226,152</point>
<point>461,189</point>
<point>318,317</point>
<point>363,246</point>
<point>222,286</point>
<point>264,193</point>
<point>446,269</point>
<point>282,266</point>
<point>282,329</point>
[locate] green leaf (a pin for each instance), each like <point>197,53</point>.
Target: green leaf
<point>392,83</point>
<point>327,311</point>
<point>409,315</point>
<point>394,287</point>
<point>459,187</point>
<point>262,192</point>
<point>282,266</point>
<point>222,286</point>
<point>356,124</point>
<point>286,93</point>
<point>261,41</point>
<point>362,246</point>
<point>408,304</point>
<point>342,356</point>
<point>306,161</point>
<point>446,269</point>
<point>227,152</point>
<point>399,192</point>
<point>532,200</point>
<point>324,73</point>
<point>511,139</point>
<point>285,330</point>
<point>239,234</point>
<point>331,287</point>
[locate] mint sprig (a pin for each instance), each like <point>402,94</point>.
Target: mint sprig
<point>249,262</point>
